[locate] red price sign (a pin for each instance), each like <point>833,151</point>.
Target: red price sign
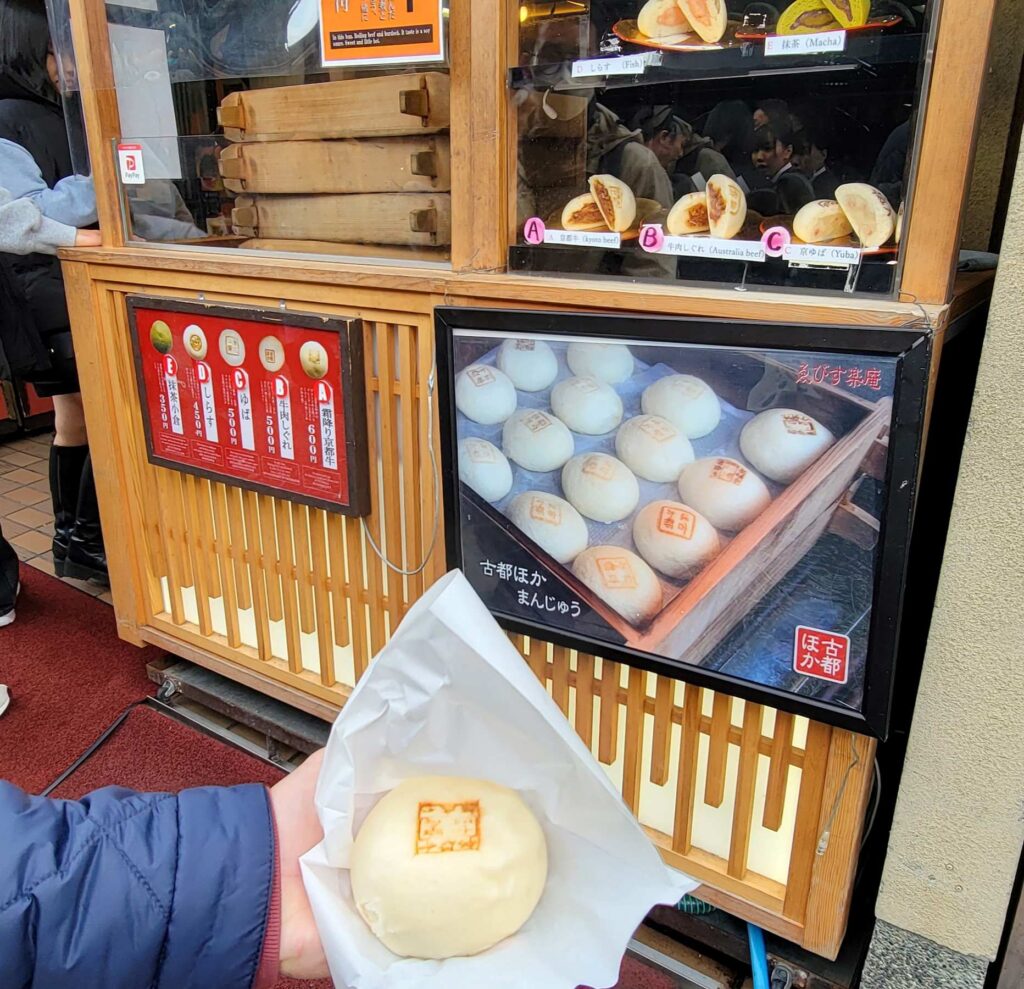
<point>263,399</point>
<point>822,655</point>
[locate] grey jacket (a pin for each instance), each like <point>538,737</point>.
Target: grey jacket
<point>24,230</point>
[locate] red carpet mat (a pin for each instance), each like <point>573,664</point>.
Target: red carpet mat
<point>69,676</point>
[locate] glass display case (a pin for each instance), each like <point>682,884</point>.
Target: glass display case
<point>725,502</point>
<point>719,142</point>
<point>307,126</point>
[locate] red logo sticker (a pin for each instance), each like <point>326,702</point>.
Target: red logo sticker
<point>822,655</point>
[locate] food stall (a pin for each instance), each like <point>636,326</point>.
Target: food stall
<point>323,222</point>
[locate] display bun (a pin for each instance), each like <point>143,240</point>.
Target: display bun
<point>484,394</point>
<point>689,215</point>
<point>583,213</point>
<point>783,443</point>
<point>869,213</point>
<point>600,487</point>
<point>709,18</point>
<point>727,206</point>
<point>898,233</point>
<point>551,522</point>
<point>444,867</point>
<point>484,468</point>
<point>622,581</point>
<point>849,13</point>
<point>674,539</point>
<point>806,17</point>
<point>686,401</point>
<point>729,495</point>
<point>821,221</point>
<point>531,365</point>
<point>536,440</point>
<point>653,448</point>
<point>587,405</point>
<point>611,362</point>
<point>662,19</point>
<point>616,201</point>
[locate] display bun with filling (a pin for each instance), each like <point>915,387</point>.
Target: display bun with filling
<point>662,19</point>
<point>821,221</point>
<point>615,200</point>
<point>727,207</point>
<point>709,18</point>
<point>582,213</point>
<point>806,17</point>
<point>872,218</point>
<point>689,215</point>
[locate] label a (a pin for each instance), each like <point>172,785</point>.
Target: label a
<point>805,44</point>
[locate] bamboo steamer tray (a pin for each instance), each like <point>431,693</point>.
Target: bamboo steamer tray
<point>382,106</point>
<point>389,164</point>
<point>707,607</point>
<point>381,251</point>
<point>415,219</point>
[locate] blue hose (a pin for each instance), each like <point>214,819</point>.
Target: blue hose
<point>758,956</point>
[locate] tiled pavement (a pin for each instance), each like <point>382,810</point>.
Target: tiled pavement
<point>26,511</point>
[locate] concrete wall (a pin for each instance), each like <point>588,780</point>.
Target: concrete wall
<point>959,826</point>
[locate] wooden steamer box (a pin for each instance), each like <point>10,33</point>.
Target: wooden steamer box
<point>370,166</point>
<point>710,604</point>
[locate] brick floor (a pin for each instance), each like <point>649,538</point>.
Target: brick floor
<point>26,514</point>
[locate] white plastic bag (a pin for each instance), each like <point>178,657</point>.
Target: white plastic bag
<point>450,696</point>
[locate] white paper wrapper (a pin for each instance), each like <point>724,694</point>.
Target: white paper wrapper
<point>449,695</point>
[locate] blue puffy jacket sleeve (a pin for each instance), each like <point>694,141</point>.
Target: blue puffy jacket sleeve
<point>125,890</point>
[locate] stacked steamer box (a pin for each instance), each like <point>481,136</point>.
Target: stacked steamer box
<point>726,572</point>
<point>359,166</point>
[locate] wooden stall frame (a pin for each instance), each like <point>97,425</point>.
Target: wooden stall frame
<point>183,575</point>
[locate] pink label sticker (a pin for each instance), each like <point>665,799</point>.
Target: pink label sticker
<point>652,238</point>
<point>533,230</point>
<point>775,241</point>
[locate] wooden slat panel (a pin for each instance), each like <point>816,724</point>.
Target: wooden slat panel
<point>289,592</point>
<point>537,657</point>
<point>632,772</point>
<point>238,544</point>
<point>197,551</point>
<point>269,558</point>
<point>257,574</point>
<point>608,731</point>
<point>227,570</point>
<point>173,543</point>
<point>357,596</point>
<point>414,496</point>
<point>374,339</point>
<point>742,819</point>
<point>805,836</point>
<point>303,567</point>
<point>391,517</point>
<point>324,632</point>
<point>204,500</point>
<point>686,785</point>
<point>560,677</point>
<point>662,745</point>
<point>718,750</point>
<point>339,600</point>
<point>778,771</point>
<point>585,698</point>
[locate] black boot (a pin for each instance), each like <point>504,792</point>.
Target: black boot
<point>66,463</point>
<point>87,559</point>
<point>9,583</point>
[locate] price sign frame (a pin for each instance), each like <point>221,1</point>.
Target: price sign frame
<point>348,398</point>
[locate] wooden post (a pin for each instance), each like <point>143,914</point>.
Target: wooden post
<point>99,107</point>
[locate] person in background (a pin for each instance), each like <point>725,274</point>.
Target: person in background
<point>667,136</point>
<point>769,111</point>
<point>730,129</point>
<point>23,230</point>
<point>891,165</point>
<point>810,158</point>
<point>786,189</point>
<point>35,164</point>
<point>129,890</point>
<point>614,149</point>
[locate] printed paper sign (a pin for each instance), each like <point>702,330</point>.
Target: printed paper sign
<point>805,44</point>
<point>268,406</point>
<point>654,241</point>
<point>129,157</point>
<point>627,65</point>
<point>822,254</point>
<point>381,32</point>
<point>583,238</point>
<point>822,655</point>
